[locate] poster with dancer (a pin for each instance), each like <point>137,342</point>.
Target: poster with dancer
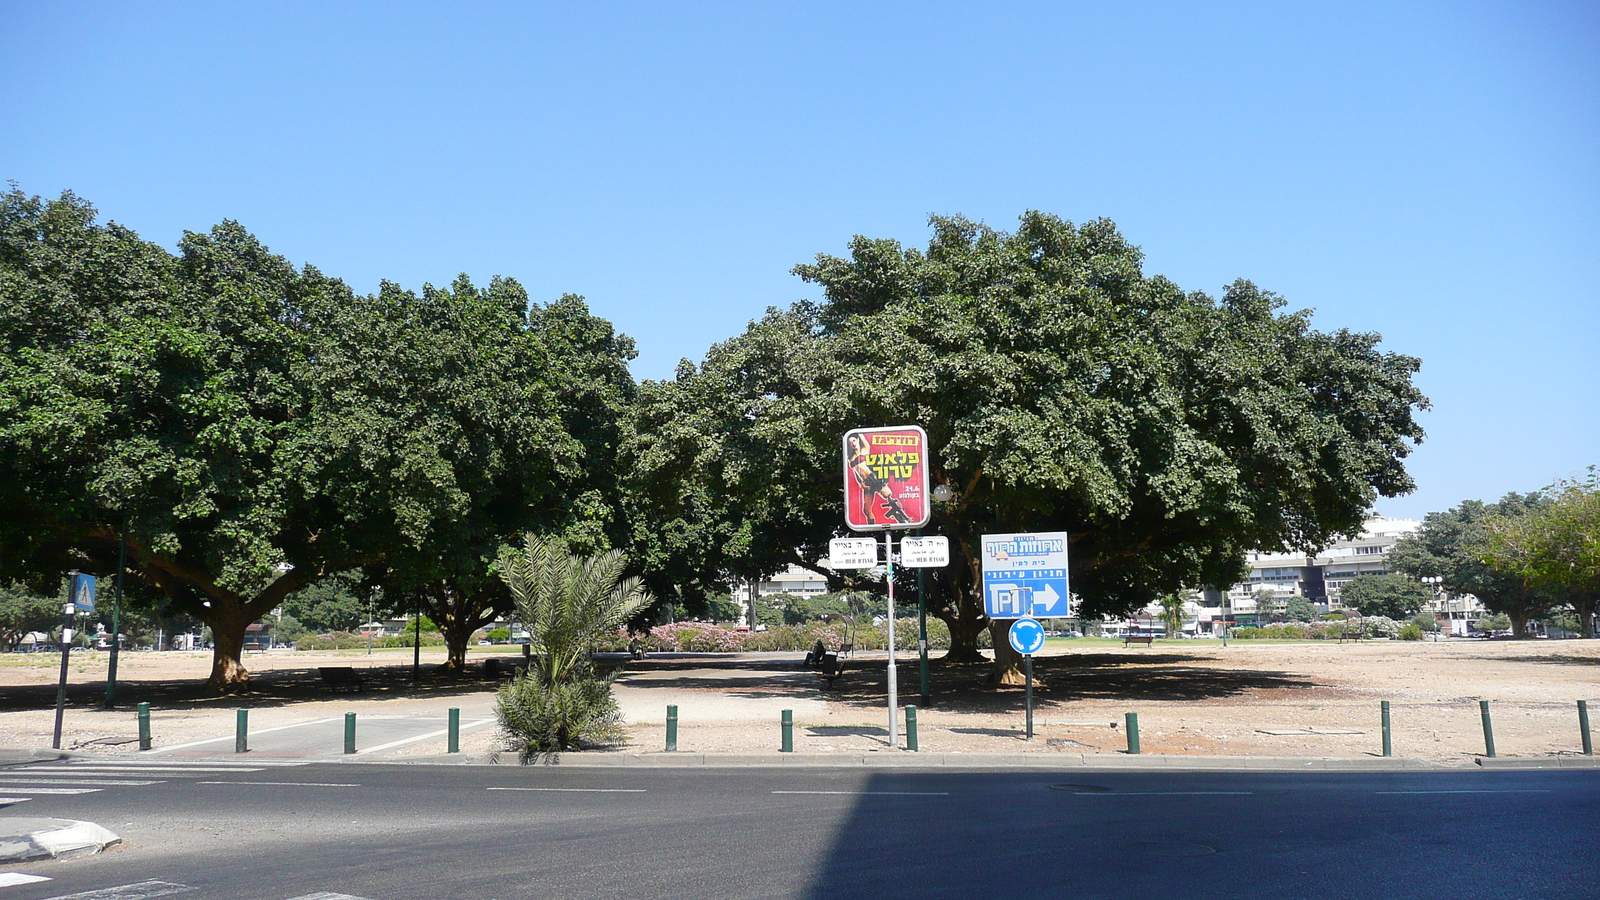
<point>886,478</point>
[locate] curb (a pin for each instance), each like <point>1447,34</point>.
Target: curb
<point>30,839</point>
<point>1547,762</point>
<point>906,760</point>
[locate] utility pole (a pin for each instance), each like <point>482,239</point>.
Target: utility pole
<point>116,616</point>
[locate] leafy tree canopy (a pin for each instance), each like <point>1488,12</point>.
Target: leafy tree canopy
<point>1395,596</point>
<point>1062,388</point>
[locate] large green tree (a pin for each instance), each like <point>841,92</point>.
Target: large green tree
<point>1394,595</point>
<point>1556,548</point>
<point>1062,389</point>
<point>251,428</point>
<point>1451,545</point>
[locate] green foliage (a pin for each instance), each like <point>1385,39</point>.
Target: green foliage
<point>498,634</point>
<point>1061,388</point>
<point>1299,609</point>
<point>1410,632</point>
<point>1556,548</point>
<point>725,609</point>
<point>543,718</point>
<point>331,604</point>
<point>1426,621</point>
<point>1394,595</point>
<point>422,623</point>
<point>22,610</point>
<point>288,629</point>
<point>1172,607</point>
<point>348,641</point>
<point>1492,623</point>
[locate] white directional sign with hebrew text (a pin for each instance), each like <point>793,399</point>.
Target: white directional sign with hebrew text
<point>852,553</point>
<point>1026,575</point>
<point>925,552</point>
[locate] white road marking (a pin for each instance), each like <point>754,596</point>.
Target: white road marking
<point>104,782</point>
<point>285,783</point>
<point>229,737</point>
<point>60,790</point>
<point>7,879</point>
<point>575,790</point>
<point>4,800</point>
<point>874,793</point>
<point>140,891</point>
<point>169,771</point>
<point>327,895</point>
<point>422,737</point>
<point>1164,794</point>
<point>1509,791</point>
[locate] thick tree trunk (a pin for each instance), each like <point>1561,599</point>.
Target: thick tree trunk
<point>963,642</point>
<point>1007,661</point>
<point>457,635</point>
<point>228,674</point>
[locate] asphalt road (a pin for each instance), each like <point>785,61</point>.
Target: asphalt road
<point>391,832</point>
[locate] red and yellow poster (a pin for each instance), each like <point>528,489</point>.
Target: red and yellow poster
<point>886,478</point>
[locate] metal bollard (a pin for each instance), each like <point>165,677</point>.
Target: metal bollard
<point>1488,729</point>
<point>1583,727</point>
<point>453,743</point>
<point>349,732</point>
<point>144,726</point>
<point>911,728</point>
<point>241,731</point>
<point>788,731</point>
<point>1133,732</point>
<point>1388,735</point>
<point>672,729</point>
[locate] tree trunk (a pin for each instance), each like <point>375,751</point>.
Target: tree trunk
<point>1007,661</point>
<point>963,642</point>
<point>457,635</point>
<point>228,674</point>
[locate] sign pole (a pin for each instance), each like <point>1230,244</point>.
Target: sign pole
<point>894,700</point>
<point>922,629</point>
<point>116,616</point>
<point>1027,667</point>
<point>66,652</point>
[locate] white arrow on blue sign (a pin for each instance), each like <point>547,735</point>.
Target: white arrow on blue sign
<point>1026,636</point>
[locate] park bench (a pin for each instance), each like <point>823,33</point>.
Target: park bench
<point>832,668</point>
<point>1351,636</point>
<point>341,676</point>
<point>1137,638</point>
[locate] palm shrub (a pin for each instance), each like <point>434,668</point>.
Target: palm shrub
<point>568,605</point>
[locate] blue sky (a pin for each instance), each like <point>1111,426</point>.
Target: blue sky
<point>1427,171</point>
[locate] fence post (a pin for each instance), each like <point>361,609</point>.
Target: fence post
<point>454,743</point>
<point>672,729</point>
<point>241,731</point>
<point>1488,729</point>
<point>1583,727</point>
<point>349,732</point>
<point>144,726</point>
<point>1133,732</point>
<point>788,731</point>
<point>1388,734</point>
<point>911,728</point>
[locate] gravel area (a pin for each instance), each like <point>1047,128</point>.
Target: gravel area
<point>1192,697</point>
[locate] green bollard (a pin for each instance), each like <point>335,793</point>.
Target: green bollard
<point>672,729</point>
<point>1583,727</point>
<point>144,726</point>
<point>454,743</point>
<point>788,731</point>
<point>241,731</point>
<point>1133,732</point>
<point>349,732</point>
<point>1388,735</point>
<point>1488,729</point>
<point>911,728</point>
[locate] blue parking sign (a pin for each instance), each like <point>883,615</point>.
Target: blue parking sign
<point>1026,575</point>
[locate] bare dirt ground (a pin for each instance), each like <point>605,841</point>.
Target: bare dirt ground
<point>1192,697</point>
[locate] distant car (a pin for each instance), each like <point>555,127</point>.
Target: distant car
<point>484,643</point>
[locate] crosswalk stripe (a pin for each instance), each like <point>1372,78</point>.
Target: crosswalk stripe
<point>133,770</point>
<point>4,800</point>
<point>104,782</point>
<point>140,891</point>
<point>59,790</point>
<point>327,895</point>
<point>7,879</point>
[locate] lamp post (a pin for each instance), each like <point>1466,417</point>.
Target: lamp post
<point>1433,582</point>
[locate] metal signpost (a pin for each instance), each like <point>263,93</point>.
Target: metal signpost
<point>886,488</point>
<point>1027,637</point>
<point>80,599</point>
<point>924,553</point>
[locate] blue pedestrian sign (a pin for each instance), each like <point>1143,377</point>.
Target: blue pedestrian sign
<point>1026,636</point>
<point>81,592</point>
<point>1026,575</point>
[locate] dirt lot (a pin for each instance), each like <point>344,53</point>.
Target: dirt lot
<point>1192,697</point>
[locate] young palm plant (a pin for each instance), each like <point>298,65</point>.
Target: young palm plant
<point>567,604</point>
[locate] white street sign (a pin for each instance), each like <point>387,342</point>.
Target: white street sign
<point>925,552</point>
<point>852,553</point>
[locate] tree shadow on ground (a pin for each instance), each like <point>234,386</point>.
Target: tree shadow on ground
<point>1559,659</point>
<point>847,730</point>
<point>269,688</point>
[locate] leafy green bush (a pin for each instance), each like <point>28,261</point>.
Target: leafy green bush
<point>498,634</point>
<point>1409,632</point>
<point>345,641</point>
<point>576,713</point>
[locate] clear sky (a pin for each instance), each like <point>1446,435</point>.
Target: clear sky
<point>1429,171</point>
